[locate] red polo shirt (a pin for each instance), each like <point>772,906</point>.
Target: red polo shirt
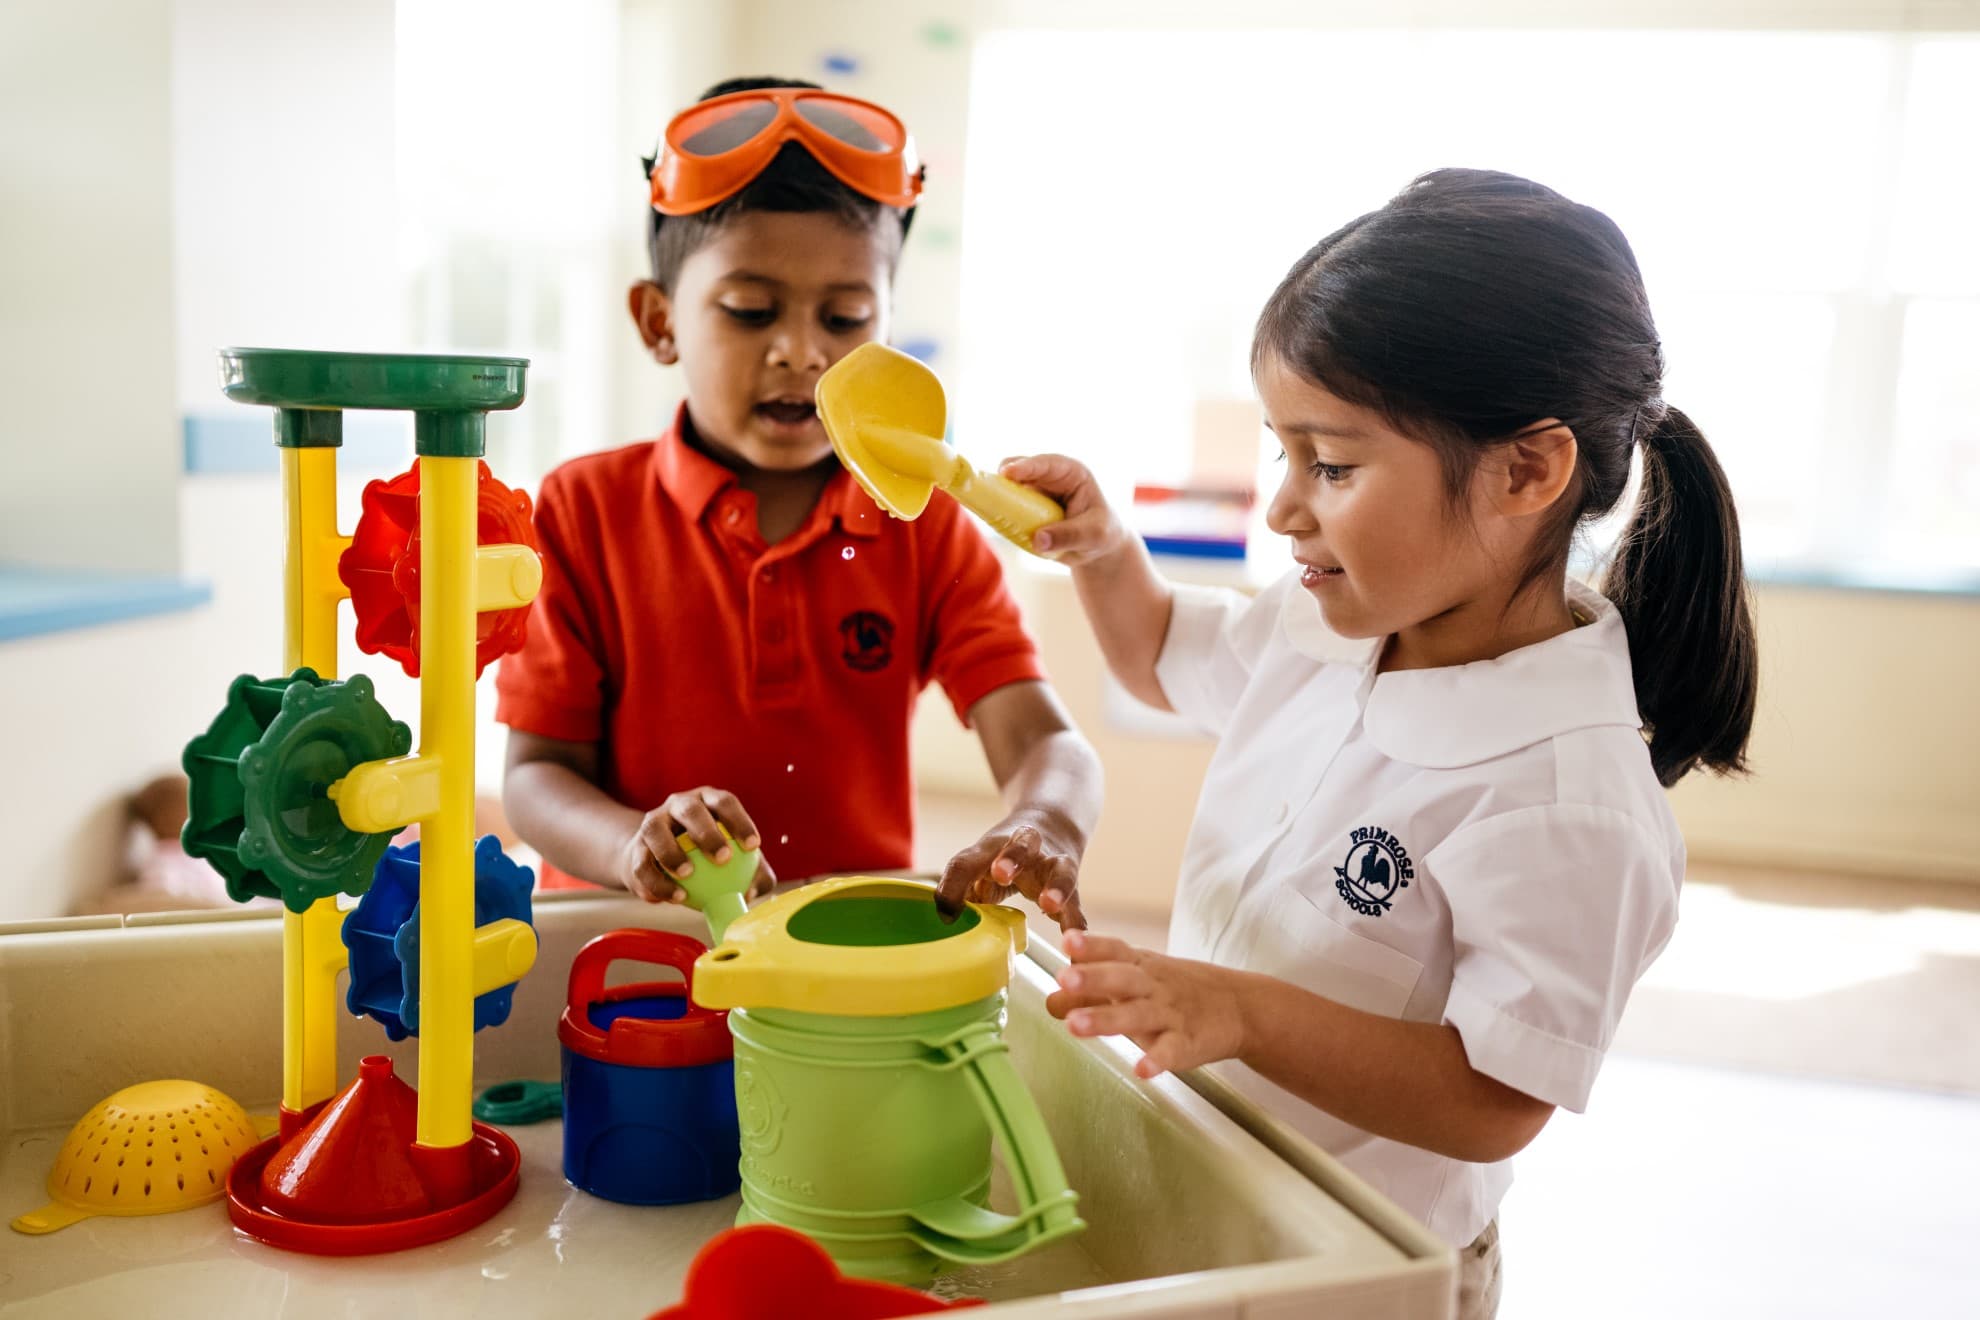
<point>669,633</point>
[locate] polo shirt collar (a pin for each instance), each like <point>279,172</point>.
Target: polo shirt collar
<point>694,481</point>
<point>1463,714</point>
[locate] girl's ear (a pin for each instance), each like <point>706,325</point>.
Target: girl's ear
<point>653,313</point>
<point>1534,470</point>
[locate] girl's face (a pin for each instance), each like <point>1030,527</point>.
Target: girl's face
<point>1374,530</point>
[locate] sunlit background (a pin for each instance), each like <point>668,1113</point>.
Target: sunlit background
<point>1114,188</point>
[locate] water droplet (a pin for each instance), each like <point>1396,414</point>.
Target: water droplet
<point>783,839</point>
<point>790,769</point>
<point>846,553</point>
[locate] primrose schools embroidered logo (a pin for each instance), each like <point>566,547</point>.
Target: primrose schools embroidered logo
<point>1377,866</point>
<point>867,641</point>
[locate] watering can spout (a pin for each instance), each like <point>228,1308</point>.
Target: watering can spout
<point>720,911</point>
<point>718,890</point>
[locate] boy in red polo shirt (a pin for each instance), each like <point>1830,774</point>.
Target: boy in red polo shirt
<point>729,631</point>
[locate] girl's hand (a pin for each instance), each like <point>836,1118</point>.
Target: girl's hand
<point>1029,853</point>
<point>651,858</point>
<point>1183,1014</point>
<point>1089,530</point>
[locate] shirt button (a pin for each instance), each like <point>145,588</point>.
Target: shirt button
<point>770,573</point>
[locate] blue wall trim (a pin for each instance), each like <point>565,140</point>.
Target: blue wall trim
<point>241,442</point>
<point>1949,583</point>
<point>38,601</point>
<point>1891,582</point>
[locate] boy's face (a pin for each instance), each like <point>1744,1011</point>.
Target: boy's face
<point>756,316</point>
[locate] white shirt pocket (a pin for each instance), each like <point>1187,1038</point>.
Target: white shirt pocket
<point>1306,946</point>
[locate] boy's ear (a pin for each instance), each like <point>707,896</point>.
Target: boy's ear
<point>1534,468</point>
<point>653,313</point>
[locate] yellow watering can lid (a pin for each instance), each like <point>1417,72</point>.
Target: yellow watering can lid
<point>859,947</point>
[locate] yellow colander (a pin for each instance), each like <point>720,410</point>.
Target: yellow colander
<point>148,1149</point>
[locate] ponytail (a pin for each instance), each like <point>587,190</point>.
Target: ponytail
<point>1679,583</point>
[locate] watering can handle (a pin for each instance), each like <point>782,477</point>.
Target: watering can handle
<point>960,1230</point>
<point>659,948</point>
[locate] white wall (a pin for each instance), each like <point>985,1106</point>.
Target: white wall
<point>88,432</point>
<point>283,182</point>
<point>1866,748</point>
<point>669,51</point>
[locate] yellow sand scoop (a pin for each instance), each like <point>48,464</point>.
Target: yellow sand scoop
<point>148,1149</point>
<point>886,415</point>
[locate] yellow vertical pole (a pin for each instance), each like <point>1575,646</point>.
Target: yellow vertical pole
<point>312,947</point>
<point>447,496</point>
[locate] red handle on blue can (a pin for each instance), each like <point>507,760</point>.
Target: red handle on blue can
<point>699,1035</point>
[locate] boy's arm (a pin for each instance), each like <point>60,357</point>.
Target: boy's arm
<point>550,789</point>
<point>1407,1081</point>
<point>1051,783</point>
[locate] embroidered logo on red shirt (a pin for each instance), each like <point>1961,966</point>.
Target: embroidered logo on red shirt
<point>868,640</point>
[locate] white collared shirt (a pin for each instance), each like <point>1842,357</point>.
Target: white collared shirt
<point>1484,845</point>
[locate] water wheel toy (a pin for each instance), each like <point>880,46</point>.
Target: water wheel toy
<point>259,808</point>
<point>886,416</point>
<point>300,784</point>
<point>147,1150</point>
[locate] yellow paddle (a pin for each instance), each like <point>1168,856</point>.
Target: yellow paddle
<point>886,414</point>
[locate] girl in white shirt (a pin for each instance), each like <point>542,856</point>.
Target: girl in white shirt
<point>1432,854</point>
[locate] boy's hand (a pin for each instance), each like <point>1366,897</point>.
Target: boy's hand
<point>1183,1014</point>
<point>1089,530</point>
<point>651,858</point>
<point>1029,853</point>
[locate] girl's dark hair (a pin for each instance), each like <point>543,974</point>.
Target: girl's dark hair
<point>792,181</point>
<point>1476,304</point>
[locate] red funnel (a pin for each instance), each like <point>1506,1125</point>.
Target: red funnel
<point>353,1181</point>
<point>352,1163</point>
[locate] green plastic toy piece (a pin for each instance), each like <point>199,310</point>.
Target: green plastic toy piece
<point>308,428</point>
<point>717,890</point>
<point>448,393</point>
<point>514,1104</point>
<point>259,807</point>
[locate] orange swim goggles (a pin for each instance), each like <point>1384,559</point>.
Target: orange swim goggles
<point>712,149</point>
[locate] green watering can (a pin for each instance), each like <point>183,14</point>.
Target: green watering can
<point>872,1074</point>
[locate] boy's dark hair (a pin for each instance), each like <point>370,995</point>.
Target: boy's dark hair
<point>1477,303</point>
<point>792,181</point>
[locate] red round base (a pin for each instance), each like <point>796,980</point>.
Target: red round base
<point>495,1160</point>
